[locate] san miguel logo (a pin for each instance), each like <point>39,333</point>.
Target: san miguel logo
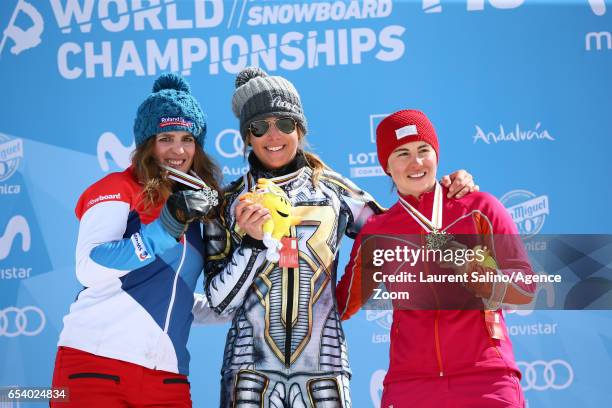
<point>527,210</point>
<point>11,153</point>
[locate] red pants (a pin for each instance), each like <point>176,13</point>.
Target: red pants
<point>487,389</point>
<point>99,382</point>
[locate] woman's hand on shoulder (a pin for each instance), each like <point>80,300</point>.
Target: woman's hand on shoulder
<point>459,184</point>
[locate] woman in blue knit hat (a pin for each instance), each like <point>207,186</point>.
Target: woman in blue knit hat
<point>286,347</point>
<point>139,254</point>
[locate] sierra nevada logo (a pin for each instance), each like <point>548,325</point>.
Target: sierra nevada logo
<point>23,39</point>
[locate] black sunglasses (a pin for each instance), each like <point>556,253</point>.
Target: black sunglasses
<point>258,128</point>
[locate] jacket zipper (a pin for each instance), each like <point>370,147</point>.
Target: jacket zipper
<point>437,337</point>
<point>289,316</point>
<point>173,295</point>
<point>436,327</point>
<point>176,276</point>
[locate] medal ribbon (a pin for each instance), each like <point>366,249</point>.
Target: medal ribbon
<point>184,178</point>
<point>433,225</point>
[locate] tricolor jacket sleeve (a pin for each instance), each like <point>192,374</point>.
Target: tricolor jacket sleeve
<point>103,251</point>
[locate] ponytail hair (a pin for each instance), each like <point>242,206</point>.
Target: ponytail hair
<point>317,165</point>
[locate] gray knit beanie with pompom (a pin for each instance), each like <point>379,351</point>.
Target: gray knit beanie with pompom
<point>258,96</point>
<point>170,107</point>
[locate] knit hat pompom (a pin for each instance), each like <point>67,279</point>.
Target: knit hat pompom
<point>259,95</point>
<point>171,80</point>
<point>249,73</point>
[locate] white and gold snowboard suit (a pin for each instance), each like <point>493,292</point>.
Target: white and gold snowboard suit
<point>286,347</point>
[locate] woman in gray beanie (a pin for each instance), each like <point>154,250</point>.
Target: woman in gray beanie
<point>138,257</point>
<point>286,347</point>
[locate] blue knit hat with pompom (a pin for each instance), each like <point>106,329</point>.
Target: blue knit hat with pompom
<point>170,107</point>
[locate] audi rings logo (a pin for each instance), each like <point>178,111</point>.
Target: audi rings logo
<point>542,375</point>
<point>27,321</point>
<point>229,144</point>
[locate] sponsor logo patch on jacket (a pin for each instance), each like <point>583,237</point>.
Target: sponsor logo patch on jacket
<point>100,198</point>
<point>139,248</point>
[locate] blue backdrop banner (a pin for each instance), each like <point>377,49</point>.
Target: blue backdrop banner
<point>519,92</point>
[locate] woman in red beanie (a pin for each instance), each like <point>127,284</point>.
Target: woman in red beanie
<point>442,358</point>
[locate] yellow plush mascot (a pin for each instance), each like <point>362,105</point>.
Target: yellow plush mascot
<point>269,195</point>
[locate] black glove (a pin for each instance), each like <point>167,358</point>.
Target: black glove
<point>184,207</point>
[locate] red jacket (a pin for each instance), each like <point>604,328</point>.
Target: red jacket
<point>428,343</point>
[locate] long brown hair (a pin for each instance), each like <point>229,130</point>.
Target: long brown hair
<point>312,160</point>
<point>157,187</point>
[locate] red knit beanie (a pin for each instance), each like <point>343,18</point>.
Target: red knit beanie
<point>400,128</point>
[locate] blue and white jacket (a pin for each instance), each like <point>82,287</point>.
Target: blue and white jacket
<point>139,282</point>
